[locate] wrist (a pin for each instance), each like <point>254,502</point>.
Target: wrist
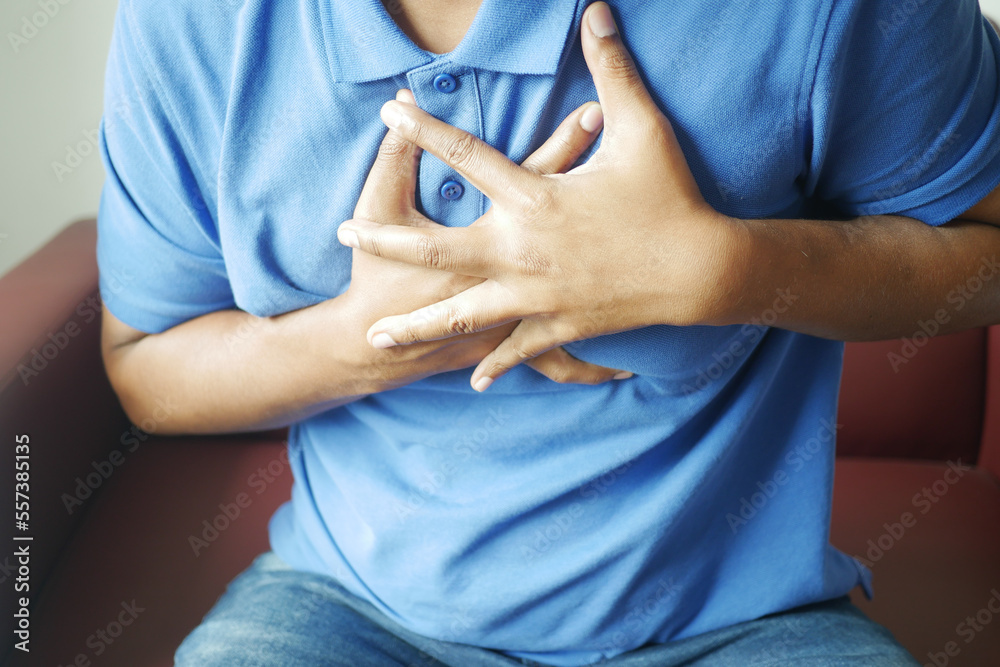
<point>737,272</point>
<point>335,335</point>
<point>712,288</point>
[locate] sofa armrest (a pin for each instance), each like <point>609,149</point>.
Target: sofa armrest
<point>989,451</point>
<point>54,390</point>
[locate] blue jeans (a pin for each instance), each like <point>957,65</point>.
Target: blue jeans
<point>273,615</point>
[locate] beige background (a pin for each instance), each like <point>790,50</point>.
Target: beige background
<point>52,89</point>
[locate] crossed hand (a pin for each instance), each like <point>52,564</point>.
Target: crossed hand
<point>623,241</point>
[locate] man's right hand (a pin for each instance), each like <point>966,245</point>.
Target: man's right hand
<point>381,287</point>
<point>231,371</point>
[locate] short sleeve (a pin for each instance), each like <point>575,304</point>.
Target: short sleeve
<point>158,253</point>
<point>903,109</point>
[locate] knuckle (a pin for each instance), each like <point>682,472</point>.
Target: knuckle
<point>405,336</point>
<point>460,150</point>
<point>392,148</point>
<point>520,351</point>
<point>429,252</point>
<point>373,245</point>
<point>530,262</point>
<point>458,323</point>
<point>496,368</point>
<point>538,200</point>
<point>617,63</point>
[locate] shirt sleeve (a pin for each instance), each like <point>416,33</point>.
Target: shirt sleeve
<point>158,253</point>
<point>903,109</point>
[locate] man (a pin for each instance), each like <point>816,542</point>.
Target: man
<point>496,516</point>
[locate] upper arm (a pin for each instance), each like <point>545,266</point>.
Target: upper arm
<point>904,111</point>
<point>115,334</point>
<point>158,249</point>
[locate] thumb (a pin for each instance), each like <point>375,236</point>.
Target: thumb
<point>620,89</point>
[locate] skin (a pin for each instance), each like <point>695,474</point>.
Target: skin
<point>559,279</point>
<point>434,25</point>
<point>230,371</point>
<point>549,261</point>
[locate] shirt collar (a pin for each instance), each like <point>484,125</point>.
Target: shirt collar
<point>516,36</point>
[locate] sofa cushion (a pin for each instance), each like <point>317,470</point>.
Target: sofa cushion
<point>919,399</point>
<point>930,532</point>
<point>148,540</point>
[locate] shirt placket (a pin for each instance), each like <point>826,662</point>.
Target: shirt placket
<point>449,93</point>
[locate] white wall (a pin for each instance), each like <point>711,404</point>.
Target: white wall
<point>991,8</point>
<point>51,97</point>
<point>51,89</point>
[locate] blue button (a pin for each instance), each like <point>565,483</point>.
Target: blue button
<point>445,83</point>
<point>452,190</point>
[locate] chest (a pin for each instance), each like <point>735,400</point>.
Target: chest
<point>292,170</point>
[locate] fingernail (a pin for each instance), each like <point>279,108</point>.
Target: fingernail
<point>482,383</point>
<point>623,375</point>
<point>348,237</point>
<point>592,118</point>
<point>382,341</point>
<point>390,115</point>
<point>601,22</point>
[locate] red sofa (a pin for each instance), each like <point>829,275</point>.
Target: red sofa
<point>135,536</point>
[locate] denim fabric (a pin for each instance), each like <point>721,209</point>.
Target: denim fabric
<point>272,615</point>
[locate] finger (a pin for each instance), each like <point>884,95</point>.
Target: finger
<point>620,89</point>
<point>389,192</point>
<point>560,366</point>
<point>478,308</point>
<point>485,167</point>
<point>455,249</point>
<point>524,342</point>
<point>573,136</point>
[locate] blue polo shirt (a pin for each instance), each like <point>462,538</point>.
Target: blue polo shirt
<point>562,523</point>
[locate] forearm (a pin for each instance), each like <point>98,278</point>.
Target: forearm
<point>230,371</point>
<point>872,278</point>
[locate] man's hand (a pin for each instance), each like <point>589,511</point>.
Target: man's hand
<point>381,287</point>
<point>611,245</point>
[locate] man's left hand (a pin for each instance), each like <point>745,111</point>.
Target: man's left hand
<point>623,241</point>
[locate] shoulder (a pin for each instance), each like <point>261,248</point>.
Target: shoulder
<point>179,44</point>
